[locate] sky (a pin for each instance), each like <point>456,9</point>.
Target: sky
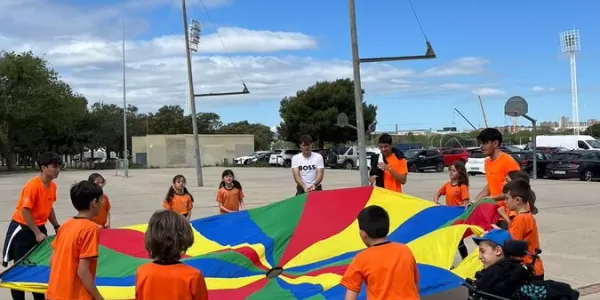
<point>496,49</point>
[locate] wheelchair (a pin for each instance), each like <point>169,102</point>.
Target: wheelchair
<point>529,290</point>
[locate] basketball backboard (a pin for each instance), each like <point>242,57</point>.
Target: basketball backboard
<point>516,106</point>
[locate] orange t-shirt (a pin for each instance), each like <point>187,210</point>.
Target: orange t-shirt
<point>38,199</point>
<point>395,277</point>
<point>524,227</point>
<point>180,203</point>
<point>230,198</point>
<point>77,239</point>
<point>398,165</point>
<point>102,216</point>
<point>496,171</point>
<point>455,194</point>
<point>169,281</point>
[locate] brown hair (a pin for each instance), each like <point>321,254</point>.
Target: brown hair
<point>171,191</point>
<point>168,236</point>
<point>463,177</point>
<point>305,139</point>
<point>518,174</point>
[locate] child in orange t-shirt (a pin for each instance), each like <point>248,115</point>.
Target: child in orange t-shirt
<point>75,249</point>
<point>523,226</point>
<point>395,277</point>
<point>230,196</point>
<point>103,216</point>
<point>178,198</point>
<point>457,193</point>
<point>504,212</point>
<point>168,236</point>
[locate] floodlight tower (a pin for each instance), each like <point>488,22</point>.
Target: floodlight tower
<point>569,43</point>
<point>195,29</point>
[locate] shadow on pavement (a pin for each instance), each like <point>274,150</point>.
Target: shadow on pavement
<point>456,294</point>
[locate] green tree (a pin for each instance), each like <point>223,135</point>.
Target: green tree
<point>593,130</point>
<point>37,110</point>
<point>208,122</point>
<point>314,111</point>
<point>263,136</point>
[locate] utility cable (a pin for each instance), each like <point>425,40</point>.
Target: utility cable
<point>418,21</point>
<point>222,43</point>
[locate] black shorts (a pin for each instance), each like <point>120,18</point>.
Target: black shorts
<point>19,241</point>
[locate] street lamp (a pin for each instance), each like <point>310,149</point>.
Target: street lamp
<point>356,60</point>
<point>192,39</point>
<point>190,79</point>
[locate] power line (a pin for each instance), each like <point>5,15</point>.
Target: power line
<point>418,21</point>
<point>220,39</point>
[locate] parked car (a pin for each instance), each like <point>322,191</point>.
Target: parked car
<point>525,160</point>
<point>476,163</point>
<point>424,159</point>
<point>582,164</point>
<point>285,158</point>
<point>273,157</point>
<point>343,157</point>
<point>261,158</point>
<point>244,160</point>
<point>454,154</point>
<point>369,155</point>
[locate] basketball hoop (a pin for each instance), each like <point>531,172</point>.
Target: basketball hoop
<point>342,120</point>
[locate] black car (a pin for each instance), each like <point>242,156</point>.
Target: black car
<point>582,164</point>
<point>525,160</point>
<point>424,159</point>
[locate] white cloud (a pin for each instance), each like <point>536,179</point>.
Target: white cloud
<point>461,67</point>
<point>538,88</point>
<point>486,91</point>
<point>84,46</point>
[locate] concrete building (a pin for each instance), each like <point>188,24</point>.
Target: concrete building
<point>177,150</point>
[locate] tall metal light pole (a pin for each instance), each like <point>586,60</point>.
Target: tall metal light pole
<point>569,43</point>
<point>190,80</point>
<point>356,60</point>
<point>358,103</point>
<point>125,152</point>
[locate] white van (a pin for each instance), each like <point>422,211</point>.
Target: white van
<point>571,142</point>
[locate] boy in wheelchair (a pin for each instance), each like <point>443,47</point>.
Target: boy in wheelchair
<point>504,276</point>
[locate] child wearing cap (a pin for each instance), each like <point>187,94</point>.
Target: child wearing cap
<point>501,275</point>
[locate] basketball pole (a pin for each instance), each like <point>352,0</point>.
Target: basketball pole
<point>125,152</point>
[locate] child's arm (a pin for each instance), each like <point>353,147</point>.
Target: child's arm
<point>201,292</point>
<point>503,214</point>
<point>83,272</point>
<point>436,198</point>
<point>107,225</point>
<point>242,203</point>
<point>466,198</point>
<point>351,295</point>
<point>353,279</point>
<point>440,192</point>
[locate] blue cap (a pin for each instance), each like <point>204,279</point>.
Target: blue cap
<point>498,236</point>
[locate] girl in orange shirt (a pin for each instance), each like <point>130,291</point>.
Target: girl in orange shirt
<point>457,193</point>
<point>178,198</point>
<point>230,196</point>
<point>103,216</point>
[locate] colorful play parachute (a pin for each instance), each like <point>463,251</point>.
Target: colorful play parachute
<point>293,249</point>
